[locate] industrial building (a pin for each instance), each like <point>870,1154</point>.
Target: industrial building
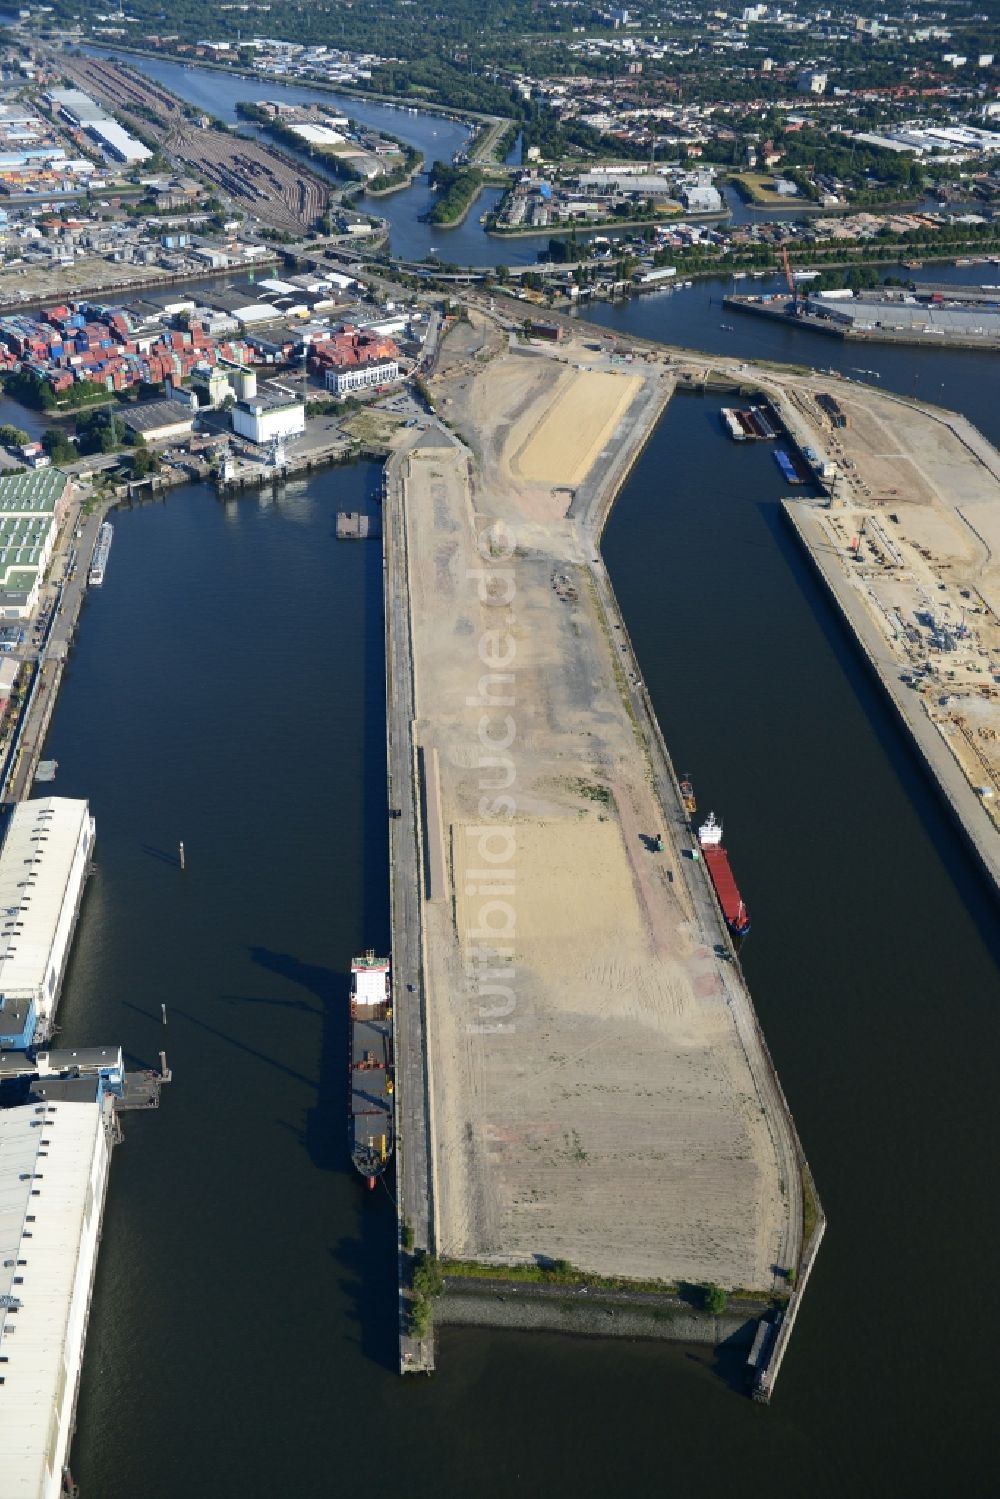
<point>271,415</point>
<point>43,868</point>
<point>907,318</point>
<point>78,108</point>
<point>31,507</point>
<point>122,146</point>
<point>55,1152</point>
<point>702,197</point>
<point>342,379</point>
<point>158,421</point>
<point>84,113</point>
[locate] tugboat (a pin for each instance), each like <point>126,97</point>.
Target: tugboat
<point>687,796</point>
<point>371,1071</point>
<point>715,856</point>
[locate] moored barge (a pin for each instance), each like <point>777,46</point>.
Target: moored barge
<point>371,1071</point>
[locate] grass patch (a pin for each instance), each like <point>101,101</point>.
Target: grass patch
<point>757,186</point>
<point>810,1207</point>
<point>371,426</point>
<point>593,792</point>
<point>555,1273</point>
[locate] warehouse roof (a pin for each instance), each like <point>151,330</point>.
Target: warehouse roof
<point>976,321</point>
<point>111,134</point>
<point>48,1149</point>
<point>77,104</point>
<point>35,865</point>
<point>271,398</point>
<point>154,416</point>
<point>37,492</point>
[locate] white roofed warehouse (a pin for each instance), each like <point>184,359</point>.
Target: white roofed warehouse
<point>31,508</point>
<point>43,868</point>
<point>55,1150</point>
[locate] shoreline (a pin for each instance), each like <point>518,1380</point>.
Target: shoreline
<point>419,1199</point>
<point>180,60</point>
<point>141,283</point>
<point>926,743</point>
<point>914,339</point>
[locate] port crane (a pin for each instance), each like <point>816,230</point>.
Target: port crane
<point>790,279</point>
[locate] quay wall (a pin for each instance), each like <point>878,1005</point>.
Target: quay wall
<point>947,776</point>
<point>942,340</point>
<point>594,1318</point>
<point>141,282</point>
<point>797,1172</point>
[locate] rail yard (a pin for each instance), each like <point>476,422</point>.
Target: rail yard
<point>257,177</point>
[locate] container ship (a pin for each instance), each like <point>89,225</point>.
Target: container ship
<point>715,856</point>
<point>99,561</point>
<point>371,1074</point>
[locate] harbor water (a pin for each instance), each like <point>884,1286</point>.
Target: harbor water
<point>227,689</point>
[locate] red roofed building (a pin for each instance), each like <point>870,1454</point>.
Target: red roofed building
<point>356,361</point>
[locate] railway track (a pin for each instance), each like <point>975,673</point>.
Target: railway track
<point>254,175</point>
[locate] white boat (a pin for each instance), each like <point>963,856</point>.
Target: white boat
<point>99,561</point>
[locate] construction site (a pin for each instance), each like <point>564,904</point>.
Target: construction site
<point>598,1090</point>
<point>256,177</point>
<point>908,543</point>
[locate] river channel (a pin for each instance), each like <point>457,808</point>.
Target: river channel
<point>227,689</point>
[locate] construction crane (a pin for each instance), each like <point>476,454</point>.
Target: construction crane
<point>788,270</point>
<point>790,279</point>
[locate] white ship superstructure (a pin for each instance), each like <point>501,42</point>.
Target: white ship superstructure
<point>99,561</point>
<point>710,832</point>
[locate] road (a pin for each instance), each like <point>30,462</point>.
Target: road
<point>483,152</point>
<point>50,653</point>
<point>413,1151</point>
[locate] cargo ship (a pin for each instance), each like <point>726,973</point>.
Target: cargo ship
<point>715,856</point>
<point>99,561</point>
<point>371,1072</point>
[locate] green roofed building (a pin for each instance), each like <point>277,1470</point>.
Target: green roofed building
<point>31,507</point>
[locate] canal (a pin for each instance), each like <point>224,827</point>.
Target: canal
<point>227,689</point>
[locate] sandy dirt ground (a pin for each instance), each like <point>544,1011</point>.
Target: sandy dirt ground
<point>916,525</point>
<point>590,1093</point>
<point>562,446</point>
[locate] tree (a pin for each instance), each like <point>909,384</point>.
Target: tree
<point>14,437</point>
<point>144,462</point>
<point>57,445</point>
<point>715,1299</point>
